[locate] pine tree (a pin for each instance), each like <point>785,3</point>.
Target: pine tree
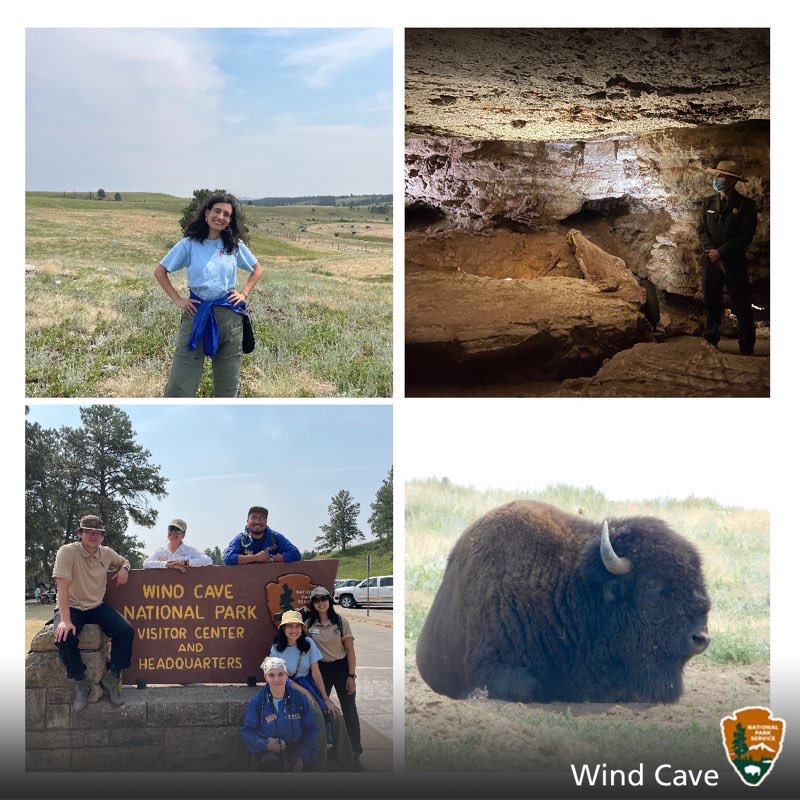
<point>286,598</point>
<point>381,520</point>
<point>740,746</point>
<point>95,469</point>
<point>342,528</point>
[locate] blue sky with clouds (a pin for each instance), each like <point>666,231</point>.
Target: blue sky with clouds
<point>258,111</point>
<point>221,459</point>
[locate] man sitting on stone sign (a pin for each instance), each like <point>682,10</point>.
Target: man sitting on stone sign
<point>81,573</point>
<point>176,554</point>
<point>258,542</point>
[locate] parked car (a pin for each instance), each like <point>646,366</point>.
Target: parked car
<point>342,583</point>
<point>379,587</point>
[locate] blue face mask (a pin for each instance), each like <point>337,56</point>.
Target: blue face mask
<point>720,184</point>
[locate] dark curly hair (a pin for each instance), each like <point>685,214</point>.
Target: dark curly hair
<point>197,227</point>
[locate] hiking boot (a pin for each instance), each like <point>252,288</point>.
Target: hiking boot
<point>81,695</point>
<point>114,688</point>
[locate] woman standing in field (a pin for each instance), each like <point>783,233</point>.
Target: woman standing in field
<point>213,314</point>
<point>332,635</point>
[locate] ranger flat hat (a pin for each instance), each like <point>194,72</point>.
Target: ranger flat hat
<point>91,523</point>
<point>729,168</point>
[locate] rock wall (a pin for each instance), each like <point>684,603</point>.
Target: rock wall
<point>181,728</point>
<point>458,324</point>
<point>650,184</point>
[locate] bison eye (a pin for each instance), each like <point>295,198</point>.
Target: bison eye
<point>653,584</point>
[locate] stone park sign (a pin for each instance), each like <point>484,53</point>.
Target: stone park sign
<point>212,624</point>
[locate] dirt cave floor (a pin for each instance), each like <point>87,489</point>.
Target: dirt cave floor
<point>482,735</point>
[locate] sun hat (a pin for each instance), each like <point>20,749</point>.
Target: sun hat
<point>319,591</point>
<point>292,616</point>
<point>177,523</point>
<point>273,662</point>
<point>91,523</point>
<point>729,168</point>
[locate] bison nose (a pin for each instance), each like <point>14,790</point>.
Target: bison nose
<point>699,640</point>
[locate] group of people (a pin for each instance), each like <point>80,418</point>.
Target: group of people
<point>255,544</point>
<point>290,724</point>
<point>312,654</point>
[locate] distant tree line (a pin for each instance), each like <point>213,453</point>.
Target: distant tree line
<point>100,194</point>
<point>325,200</point>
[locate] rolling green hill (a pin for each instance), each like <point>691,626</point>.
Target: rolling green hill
<point>353,561</point>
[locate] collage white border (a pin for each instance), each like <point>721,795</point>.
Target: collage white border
<point>772,423</point>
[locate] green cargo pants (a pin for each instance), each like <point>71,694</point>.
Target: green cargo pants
<point>187,365</point>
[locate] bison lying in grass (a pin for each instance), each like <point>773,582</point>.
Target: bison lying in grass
<point>539,605</point>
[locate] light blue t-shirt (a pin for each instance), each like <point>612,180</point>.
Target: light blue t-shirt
<point>290,656</point>
<point>212,271</point>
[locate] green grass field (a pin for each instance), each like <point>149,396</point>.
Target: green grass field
<point>98,325</point>
<point>353,561</point>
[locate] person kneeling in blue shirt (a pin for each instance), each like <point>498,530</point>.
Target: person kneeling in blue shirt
<point>278,725</point>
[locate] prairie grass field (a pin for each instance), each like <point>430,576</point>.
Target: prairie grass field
<point>444,734</point>
<point>98,324</point>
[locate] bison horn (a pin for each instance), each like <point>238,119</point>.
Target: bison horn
<point>612,562</point>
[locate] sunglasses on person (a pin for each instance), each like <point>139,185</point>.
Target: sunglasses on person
<point>173,529</point>
<point>320,599</point>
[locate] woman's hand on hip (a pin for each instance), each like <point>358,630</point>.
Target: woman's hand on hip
<point>235,297</point>
<point>188,305</point>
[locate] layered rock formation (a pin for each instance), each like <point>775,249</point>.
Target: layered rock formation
<point>528,149</point>
<point>682,367</point>
<point>550,327</point>
<point>648,188</point>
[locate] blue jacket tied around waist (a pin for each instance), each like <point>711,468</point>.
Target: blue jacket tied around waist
<point>204,325</point>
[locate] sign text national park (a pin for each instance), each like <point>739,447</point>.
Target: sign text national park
<point>212,624</point>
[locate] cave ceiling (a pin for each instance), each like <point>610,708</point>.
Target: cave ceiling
<point>562,84</point>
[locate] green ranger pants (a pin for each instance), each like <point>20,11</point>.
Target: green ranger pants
<point>187,365</point>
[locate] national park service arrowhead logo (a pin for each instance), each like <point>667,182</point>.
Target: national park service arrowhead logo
<point>752,738</point>
<point>286,593</point>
